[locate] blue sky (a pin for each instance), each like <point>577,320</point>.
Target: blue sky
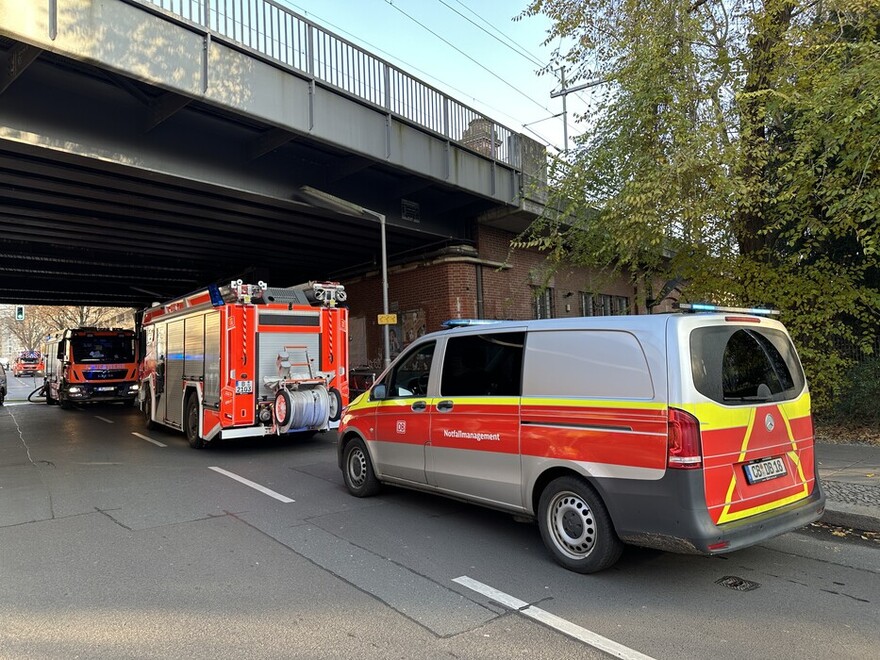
<point>475,66</point>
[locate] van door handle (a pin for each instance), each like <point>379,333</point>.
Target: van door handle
<point>444,406</point>
<point>418,406</point>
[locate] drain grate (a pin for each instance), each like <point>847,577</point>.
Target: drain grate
<point>737,583</point>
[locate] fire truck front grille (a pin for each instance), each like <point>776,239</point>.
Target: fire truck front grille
<point>105,374</point>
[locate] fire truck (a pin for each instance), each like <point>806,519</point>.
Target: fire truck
<point>88,365</point>
<point>28,363</point>
<point>246,360</point>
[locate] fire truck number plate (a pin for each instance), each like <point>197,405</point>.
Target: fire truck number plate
<point>244,387</point>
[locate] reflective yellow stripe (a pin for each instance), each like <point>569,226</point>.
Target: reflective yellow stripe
<point>726,516</point>
<point>745,513</point>
<point>592,403</point>
<point>742,454</point>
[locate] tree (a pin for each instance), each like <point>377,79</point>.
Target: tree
<point>42,320</point>
<point>734,145</point>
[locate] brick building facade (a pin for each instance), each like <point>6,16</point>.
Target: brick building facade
<point>487,280</point>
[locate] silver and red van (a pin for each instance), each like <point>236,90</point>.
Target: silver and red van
<point>688,432</point>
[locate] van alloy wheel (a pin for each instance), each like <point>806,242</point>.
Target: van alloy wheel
<point>576,527</point>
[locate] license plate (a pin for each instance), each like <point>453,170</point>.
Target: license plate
<point>770,468</point>
<point>244,386</point>
<point>107,389</point>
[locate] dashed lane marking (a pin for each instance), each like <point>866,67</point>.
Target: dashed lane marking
<point>155,442</point>
<point>551,620</point>
<point>104,419</point>
<point>255,486</point>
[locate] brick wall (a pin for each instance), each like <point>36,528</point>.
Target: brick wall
<point>508,293</point>
<point>446,288</point>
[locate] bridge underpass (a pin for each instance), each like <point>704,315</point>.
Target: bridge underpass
<point>143,154</point>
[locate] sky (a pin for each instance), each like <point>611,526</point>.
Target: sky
<point>472,50</point>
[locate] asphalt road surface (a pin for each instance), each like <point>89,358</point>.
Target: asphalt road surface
<point>118,542</point>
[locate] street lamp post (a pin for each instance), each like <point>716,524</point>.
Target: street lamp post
<point>334,203</point>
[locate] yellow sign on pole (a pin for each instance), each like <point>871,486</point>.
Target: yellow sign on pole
<point>387,319</point>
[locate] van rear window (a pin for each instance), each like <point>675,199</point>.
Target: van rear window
<point>733,364</point>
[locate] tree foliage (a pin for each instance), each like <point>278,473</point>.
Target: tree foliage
<point>42,320</point>
<point>735,145</point>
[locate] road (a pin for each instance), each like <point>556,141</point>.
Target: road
<point>118,542</point>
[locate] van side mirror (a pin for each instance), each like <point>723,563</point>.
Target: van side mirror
<point>378,393</point>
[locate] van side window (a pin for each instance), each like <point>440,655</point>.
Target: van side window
<point>736,365</point>
<point>591,364</point>
<point>483,365</point>
<point>410,376</point>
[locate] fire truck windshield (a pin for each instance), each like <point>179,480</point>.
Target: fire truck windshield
<point>103,349</point>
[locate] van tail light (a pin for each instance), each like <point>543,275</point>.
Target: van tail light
<point>683,443</point>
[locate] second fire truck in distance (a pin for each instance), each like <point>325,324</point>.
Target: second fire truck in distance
<point>28,363</point>
<point>89,365</point>
<point>246,361</point>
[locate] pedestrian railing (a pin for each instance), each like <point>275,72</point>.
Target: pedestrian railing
<point>282,35</point>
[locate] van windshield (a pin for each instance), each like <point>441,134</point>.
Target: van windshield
<point>733,364</point>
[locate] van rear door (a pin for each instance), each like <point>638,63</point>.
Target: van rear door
<point>756,428</point>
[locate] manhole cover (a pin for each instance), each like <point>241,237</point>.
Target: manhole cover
<point>737,583</point>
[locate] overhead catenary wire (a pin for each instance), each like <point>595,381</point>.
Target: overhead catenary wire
<point>543,139</point>
<point>461,52</point>
<point>510,43</point>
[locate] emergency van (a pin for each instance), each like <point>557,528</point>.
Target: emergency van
<point>90,365</point>
<point>687,432</point>
<point>246,360</point>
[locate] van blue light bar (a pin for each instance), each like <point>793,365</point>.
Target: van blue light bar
<point>704,307</point>
<point>463,323</point>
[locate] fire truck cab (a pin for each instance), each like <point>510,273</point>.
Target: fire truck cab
<point>28,363</point>
<point>89,365</point>
<point>246,361</point>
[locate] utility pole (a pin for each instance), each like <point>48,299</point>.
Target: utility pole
<point>563,92</point>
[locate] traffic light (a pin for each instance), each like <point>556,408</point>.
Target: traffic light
<point>19,312</point>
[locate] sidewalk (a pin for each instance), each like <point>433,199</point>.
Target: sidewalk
<point>850,475</point>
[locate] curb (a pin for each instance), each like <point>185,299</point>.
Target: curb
<point>863,518</point>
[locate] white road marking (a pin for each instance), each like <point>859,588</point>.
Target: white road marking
<point>104,419</point>
<point>542,616</point>
<point>255,486</point>
<point>155,442</point>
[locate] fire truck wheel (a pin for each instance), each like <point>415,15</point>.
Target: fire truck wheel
<point>191,423</point>
<point>358,470</point>
<point>147,412</point>
<point>576,527</point>
<point>335,404</point>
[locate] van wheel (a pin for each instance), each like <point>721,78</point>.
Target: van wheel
<point>191,423</point>
<point>576,527</point>
<point>357,470</point>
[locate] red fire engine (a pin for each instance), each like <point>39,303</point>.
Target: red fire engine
<point>246,360</point>
<point>28,363</point>
<point>85,365</point>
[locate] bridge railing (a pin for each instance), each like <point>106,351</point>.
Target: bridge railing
<point>281,34</point>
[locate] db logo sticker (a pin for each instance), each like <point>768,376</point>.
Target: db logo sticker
<point>768,422</point>
<point>401,426</point>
